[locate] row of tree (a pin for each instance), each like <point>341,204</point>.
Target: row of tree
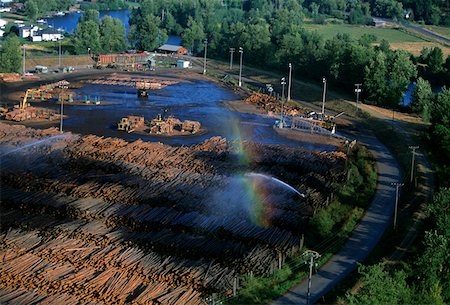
<point>36,8</point>
<point>426,279</point>
<point>106,35</point>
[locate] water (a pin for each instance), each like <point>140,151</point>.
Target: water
<point>194,100</point>
<point>35,143</point>
<point>277,181</point>
<point>69,21</point>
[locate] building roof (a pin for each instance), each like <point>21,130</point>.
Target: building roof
<point>169,48</point>
<point>50,31</point>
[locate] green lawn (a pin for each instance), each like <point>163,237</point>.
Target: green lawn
<point>355,31</point>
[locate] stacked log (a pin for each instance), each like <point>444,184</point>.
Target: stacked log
<point>271,105</point>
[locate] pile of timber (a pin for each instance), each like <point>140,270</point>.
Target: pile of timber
<point>10,77</point>
<point>271,105</point>
<point>30,113</point>
<point>16,135</point>
<point>139,83</point>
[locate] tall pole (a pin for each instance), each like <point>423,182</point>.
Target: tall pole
<point>324,80</point>
<point>358,91</point>
<point>241,50</point>
<point>23,61</point>
<point>397,186</point>
<point>61,118</point>
<point>290,82</point>
<point>59,53</point>
<point>231,58</point>
<point>413,149</point>
<point>283,83</point>
<point>204,60</point>
<point>311,256</point>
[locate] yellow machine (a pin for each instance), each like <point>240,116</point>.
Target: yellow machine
<point>23,104</point>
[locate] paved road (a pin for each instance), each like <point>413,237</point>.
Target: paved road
<point>418,29</point>
<point>364,237</point>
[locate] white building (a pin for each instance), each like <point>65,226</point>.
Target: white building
<point>28,31</point>
<point>50,34</point>
<point>3,23</point>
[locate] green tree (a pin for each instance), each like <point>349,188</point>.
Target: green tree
<point>440,133</point>
<point>90,15</point>
<point>11,60</point>
<point>401,71</point>
<point>193,35</point>
<point>87,35</point>
<point>433,58</point>
<point>379,287</point>
<point>112,35</point>
<point>375,78</point>
<point>31,9</point>
<point>147,35</point>
<point>422,99</point>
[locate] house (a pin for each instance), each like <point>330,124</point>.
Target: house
<point>3,23</point>
<point>50,34</point>
<point>172,49</point>
<point>183,64</point>
<point>27,31</point>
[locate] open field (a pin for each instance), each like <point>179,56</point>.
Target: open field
<point>392,35</point>
<point>416,47</point>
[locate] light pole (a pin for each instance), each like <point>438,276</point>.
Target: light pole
<point>413,149</point>
<point>231,58</point>
<point>283,83</point>
<point>311,256</point>
<point>241,50</point>
<point>290,82</point>
<point>204,60</point>
<point>59,53</point>
<point>62,87</point>
<point>324,94</point>
<point>358,91</point>
<point>24,60</point>
<point>89,51</point>
<point>397,186</point>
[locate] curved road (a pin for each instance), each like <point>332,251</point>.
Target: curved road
<point>417,29</point>
<point>364,237</point>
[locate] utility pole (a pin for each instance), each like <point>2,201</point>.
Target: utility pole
<point>324,94</point>
<point>283,83</point>
<point>397,186</point>
<point>358,91</point>
<point>241,50</point>
<point>59,53</point>
<point>290,82</point>
<point>311,256</point>
<point>413,149</point>
<point>62,87</point>
<point>204,61</point>
<point>231,58</point>
<point>23,61</point>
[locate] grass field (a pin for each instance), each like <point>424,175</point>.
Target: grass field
<point>390,34</point>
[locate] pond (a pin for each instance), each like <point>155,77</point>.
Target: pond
<point>197,100</point>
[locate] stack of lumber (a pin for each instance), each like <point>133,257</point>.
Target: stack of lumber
<point>273,106</point>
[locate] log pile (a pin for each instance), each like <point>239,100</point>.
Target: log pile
<point>10,77</point>
<point>273,106</point>
<point>106,221</point>
<point>139,83</point>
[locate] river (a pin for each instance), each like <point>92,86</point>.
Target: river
<point>69,21</point>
